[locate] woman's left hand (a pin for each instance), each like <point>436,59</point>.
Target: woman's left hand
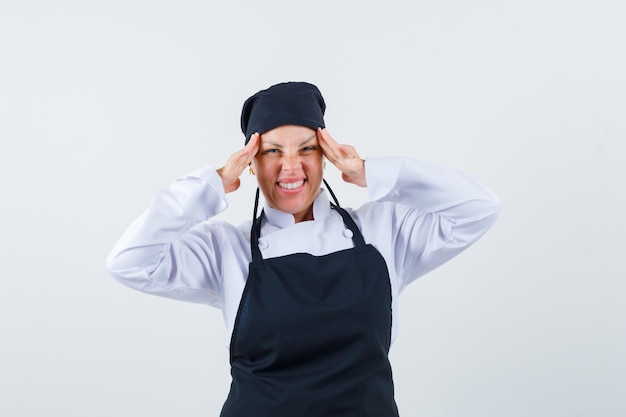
<point>344,157</point>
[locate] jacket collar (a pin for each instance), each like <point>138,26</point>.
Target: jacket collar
<point>280,219</point>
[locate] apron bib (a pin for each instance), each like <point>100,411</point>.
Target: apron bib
<point>312,335</point>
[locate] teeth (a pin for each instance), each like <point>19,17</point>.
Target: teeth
<point>291,185</point>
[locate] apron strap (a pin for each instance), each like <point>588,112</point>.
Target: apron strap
<point>330,190</point>
<point>255,230</point>
<point>357,237</point>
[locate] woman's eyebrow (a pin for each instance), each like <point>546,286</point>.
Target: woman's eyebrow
<point>268,142</point>
<point>265,142</point>
<point>308,139</point>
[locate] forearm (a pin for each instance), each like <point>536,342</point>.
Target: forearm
<point>436,213</point>
<point>430,188</point>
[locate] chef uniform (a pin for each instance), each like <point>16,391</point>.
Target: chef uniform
<point>309,332</point>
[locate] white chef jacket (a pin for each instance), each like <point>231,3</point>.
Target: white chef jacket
<point>420,216</point>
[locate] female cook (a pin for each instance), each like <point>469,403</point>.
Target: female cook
<point>308,290</point>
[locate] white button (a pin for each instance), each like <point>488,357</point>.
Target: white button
<point>263,244</point>
<point>348,233</point>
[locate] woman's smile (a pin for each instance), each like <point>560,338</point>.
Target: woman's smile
<point>291,186</point>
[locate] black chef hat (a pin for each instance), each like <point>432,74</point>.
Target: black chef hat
<point>291,103</point>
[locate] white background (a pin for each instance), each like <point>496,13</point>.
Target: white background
<point>104,102</point>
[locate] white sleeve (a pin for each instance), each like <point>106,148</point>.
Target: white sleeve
<point>434,213</point>
<point>161,253</point>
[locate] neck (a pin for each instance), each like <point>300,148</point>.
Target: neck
<point>303,217</point>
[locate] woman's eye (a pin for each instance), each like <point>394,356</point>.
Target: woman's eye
<point>309,148</point>
<point>270,151</point>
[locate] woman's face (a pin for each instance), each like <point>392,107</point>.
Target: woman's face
<point>289,169</point>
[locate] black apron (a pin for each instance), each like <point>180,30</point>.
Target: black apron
<point>312,335</point>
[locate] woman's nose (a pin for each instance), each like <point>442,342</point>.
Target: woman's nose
<point>291,162</point>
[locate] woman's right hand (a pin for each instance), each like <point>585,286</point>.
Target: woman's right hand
<point>236,164</point>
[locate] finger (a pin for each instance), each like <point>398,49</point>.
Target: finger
<point>348,152</point>
<point>238,161</point>
<point>244,156</point>
<point>252,147</point>
<point>327,138</point>
<point>328,144</point>
<point>321,140</point>
<point>253,142</point>
<point>335,151</point>
<point>340,151</point>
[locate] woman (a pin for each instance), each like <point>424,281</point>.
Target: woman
<point>308,289</point>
